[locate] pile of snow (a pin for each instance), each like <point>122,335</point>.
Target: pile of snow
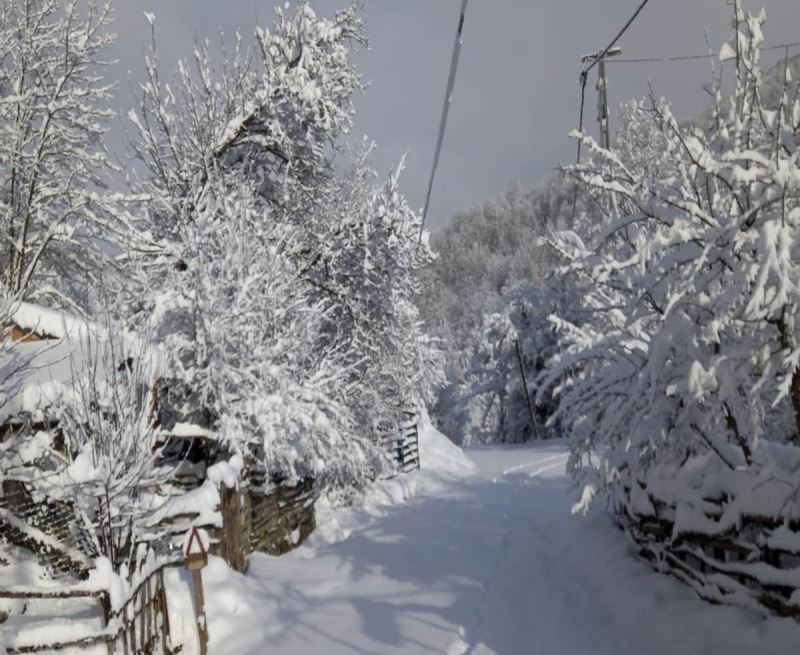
<point>441,462</point>
<point>438,454</point>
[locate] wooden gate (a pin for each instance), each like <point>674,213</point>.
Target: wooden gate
<point>139,627</point>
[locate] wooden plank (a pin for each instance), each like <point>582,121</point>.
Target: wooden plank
<point>26,594</point>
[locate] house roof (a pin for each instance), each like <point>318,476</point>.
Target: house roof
<point>36,374</point>
<point>47,323</point>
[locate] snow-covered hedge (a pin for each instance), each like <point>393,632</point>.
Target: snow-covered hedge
<point>683,380</point>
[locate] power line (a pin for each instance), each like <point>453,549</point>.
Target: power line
<point>708,55</point>
<point>624,29</point>
<point>583,78</point>
<point>592,62</point>
<point>448,96</point>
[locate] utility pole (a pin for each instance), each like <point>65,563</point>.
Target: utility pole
<point>602,90</point>
<point>737,20</point>
<point>525,386</point>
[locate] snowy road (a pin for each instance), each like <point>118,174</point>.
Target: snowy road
<point>485,562</point>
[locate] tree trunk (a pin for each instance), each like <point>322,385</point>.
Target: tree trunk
<point>786,344</point>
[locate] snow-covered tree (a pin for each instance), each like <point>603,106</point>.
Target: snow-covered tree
<point>484,256</point>
<point>370,275</point>
<point>497,400</point>
<point>257,357</point>
<point>53,111</point>
<point>691,344</point>
<point>97,448</point>
<point>283,290</point>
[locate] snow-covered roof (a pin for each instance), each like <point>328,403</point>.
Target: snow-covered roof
<point>35,375</point>
<point>45,322</point>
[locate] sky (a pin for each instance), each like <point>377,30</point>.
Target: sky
<point>517,94</point>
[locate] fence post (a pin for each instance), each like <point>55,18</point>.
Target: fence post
<point>166,637</point>
<point>232,527</point>
<point>105,606</point>
<point>196,559</point>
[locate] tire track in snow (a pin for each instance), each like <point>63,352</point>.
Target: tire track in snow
<point>559,459</point>
<point>461,645</point>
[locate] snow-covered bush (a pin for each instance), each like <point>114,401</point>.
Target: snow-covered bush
<point>690,347</point>
<point>94,445</point>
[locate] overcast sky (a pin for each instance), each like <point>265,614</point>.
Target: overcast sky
<point>516,96</point>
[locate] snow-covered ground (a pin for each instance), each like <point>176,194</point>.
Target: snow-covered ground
<point>459,559</point>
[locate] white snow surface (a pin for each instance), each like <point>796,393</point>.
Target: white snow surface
<point>474,554</point>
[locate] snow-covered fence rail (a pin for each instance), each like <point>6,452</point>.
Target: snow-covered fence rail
<point>143,621</point>
<point>58,634</point>
<point>139,626</point>
<point>754,562</point>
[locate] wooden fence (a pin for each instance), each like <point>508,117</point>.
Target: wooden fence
<point>255,518</point>
<point>46,527</point>
<point>274,522</point>
<point>744,566</point>
<point>405,445</point>
<point>139,626</point>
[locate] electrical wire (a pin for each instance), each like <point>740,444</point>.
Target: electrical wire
<point>708,55</point>
<point>448,96</point>
<point>624,29</point>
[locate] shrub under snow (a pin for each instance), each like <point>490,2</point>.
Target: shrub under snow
<point>684,378</point>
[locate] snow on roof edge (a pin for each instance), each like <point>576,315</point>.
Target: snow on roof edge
<point>43,321</point>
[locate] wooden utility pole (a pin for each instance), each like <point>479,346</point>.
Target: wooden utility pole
<point>525,386</point>
<point>602,90</point>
